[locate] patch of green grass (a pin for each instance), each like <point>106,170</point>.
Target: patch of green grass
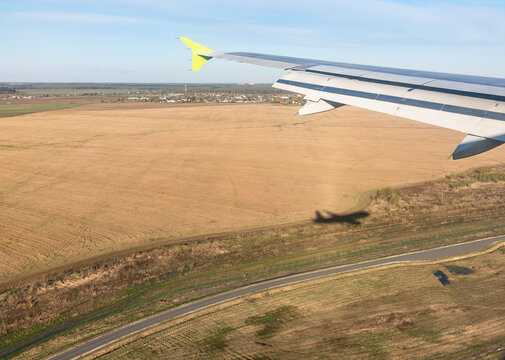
<point>393,199</point>
<point>423,328</point>
<point>458,270</point>
<point>488,176</point>
<point>22,109</point>
<point>217,340</point>
<point>271,321</point>
<point>375,343</point>
<point>384,193</point>
<point>388,194</point>
<point>461,183</point>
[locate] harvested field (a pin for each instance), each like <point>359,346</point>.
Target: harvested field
<point>397,313</point>
<point>81,182</point>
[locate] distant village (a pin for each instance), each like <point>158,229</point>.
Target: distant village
<point>243,93</point>
<point>217,98</point>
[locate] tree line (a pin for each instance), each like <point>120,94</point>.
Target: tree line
<point>6,90</point>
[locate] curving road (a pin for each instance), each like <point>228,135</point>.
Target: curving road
<point>431,254</point>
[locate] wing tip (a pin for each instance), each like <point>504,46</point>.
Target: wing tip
<point>197,49</point>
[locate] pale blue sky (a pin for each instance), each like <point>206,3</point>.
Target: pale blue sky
<point>134,40</point>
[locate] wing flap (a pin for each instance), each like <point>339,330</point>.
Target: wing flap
<point>474,145</point>
<point>314,107</point>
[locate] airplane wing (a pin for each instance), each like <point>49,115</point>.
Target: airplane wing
<point>473,105</point>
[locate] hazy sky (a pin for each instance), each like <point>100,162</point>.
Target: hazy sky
<point>135,40</point>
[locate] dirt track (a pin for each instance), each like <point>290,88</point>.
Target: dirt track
<point>82,182</point>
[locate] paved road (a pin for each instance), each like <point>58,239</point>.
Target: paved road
<point>432,254</point>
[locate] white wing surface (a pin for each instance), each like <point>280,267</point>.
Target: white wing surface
<point>473,105</point>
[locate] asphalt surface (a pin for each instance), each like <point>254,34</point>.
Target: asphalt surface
<point>432,254</point>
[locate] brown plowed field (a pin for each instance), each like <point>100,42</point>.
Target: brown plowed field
<point>81,182</point>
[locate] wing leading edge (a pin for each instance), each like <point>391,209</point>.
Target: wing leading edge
<point>473,105</point>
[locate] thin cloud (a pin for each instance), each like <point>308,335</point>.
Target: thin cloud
<point>80,17</point>
<point>280,29</point>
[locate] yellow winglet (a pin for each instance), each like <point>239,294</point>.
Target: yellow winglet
<point>197,49</point>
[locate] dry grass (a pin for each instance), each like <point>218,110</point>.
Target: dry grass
<point>394,313</point>
<point>100,178</point>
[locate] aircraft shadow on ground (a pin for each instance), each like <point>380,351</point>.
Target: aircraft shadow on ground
<point>352,218</point>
